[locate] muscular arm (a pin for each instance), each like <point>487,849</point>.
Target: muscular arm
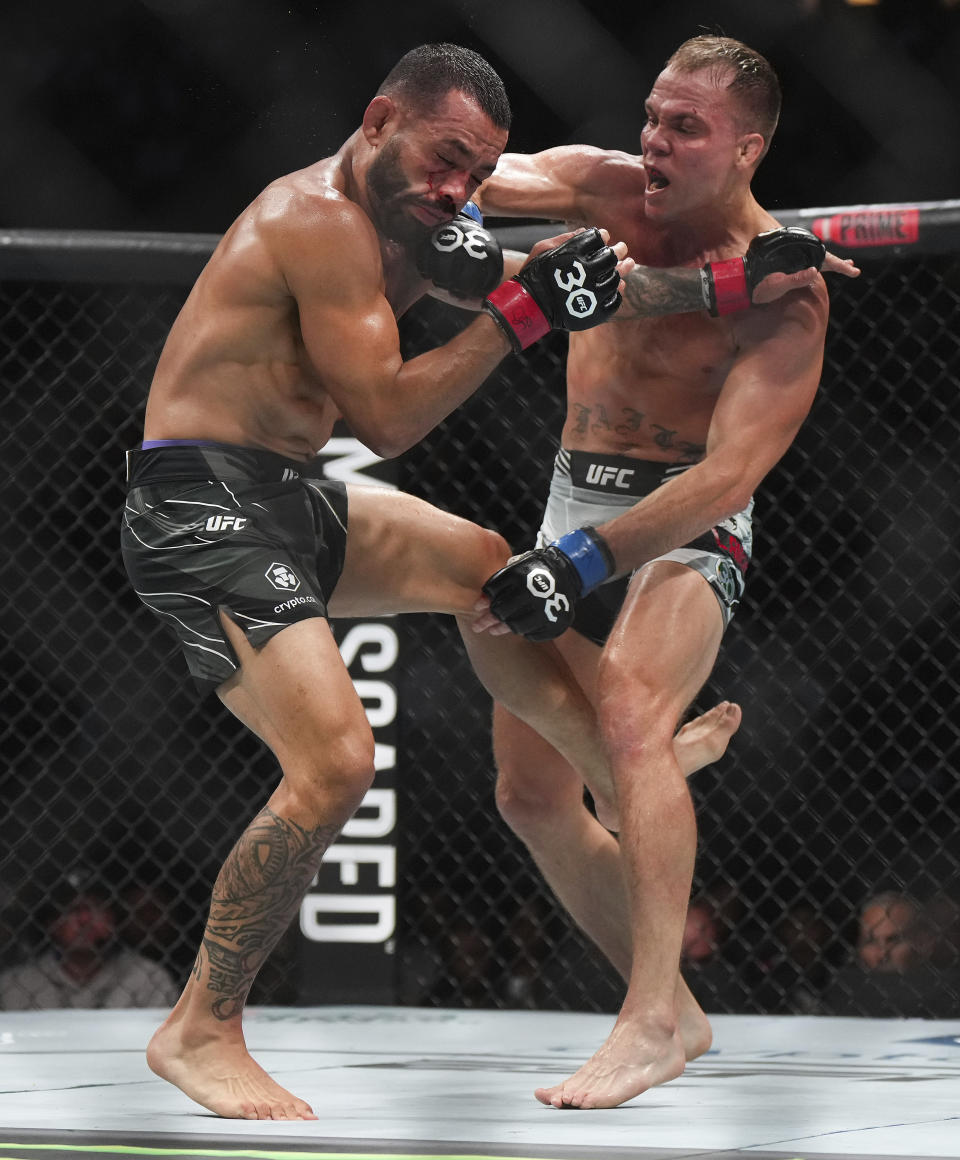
<point>765,399</point>
<point>333,269</point>
<point>575,184</point>
<point>567,184</point>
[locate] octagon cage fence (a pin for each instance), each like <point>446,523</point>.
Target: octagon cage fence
<point>841,784</point>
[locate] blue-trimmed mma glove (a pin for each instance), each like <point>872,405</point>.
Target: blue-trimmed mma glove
<point>461,257</point>
<point>728,286</point>
<point>574,286</point>
<point>534,595</point>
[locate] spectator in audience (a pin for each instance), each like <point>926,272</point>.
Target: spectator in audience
<point>892,934</point>
<point>717,980</point>
<point>892,974</point>
<point>701,933</point>
<point>86,965</point>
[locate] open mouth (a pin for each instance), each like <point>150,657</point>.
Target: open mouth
<point>655,180</point>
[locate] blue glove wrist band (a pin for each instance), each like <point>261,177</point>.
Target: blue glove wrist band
<point>472,210</point>
<point>588,552</point>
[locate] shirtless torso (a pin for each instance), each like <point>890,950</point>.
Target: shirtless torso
<point>646,386</point>
<point>292,324</point>
<point>235,367</point>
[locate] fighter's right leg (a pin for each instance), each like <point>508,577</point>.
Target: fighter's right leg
<point>295,694</point>
<point>541,798</point>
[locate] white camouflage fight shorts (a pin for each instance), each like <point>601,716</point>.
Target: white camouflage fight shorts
<point>589,489</point>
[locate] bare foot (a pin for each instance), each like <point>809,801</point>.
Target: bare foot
<point>704,739</point>
<point>627,1065</point>
<point>222,1076</point>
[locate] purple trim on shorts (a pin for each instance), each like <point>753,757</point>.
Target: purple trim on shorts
<point>149,444</point>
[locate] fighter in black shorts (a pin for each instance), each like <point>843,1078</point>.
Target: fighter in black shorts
<point>233,540</point>
<point>210,528</point>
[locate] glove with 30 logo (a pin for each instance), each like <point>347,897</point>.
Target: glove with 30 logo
<point>574,286</point>
<point>728,286</point>
<point>534,595</point>
<point>461,257</point>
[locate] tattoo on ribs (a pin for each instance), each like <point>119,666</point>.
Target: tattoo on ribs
<point>582,418</point>
<point>631,421</point>
<point>665,438</point>
<point>601,422</point>
<point>596,419</point>
<point>255,897</point>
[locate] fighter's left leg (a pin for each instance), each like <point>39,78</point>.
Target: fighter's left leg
<point>658,656</point>
<point>404,555</point>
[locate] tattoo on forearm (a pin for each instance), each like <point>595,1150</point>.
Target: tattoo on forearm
<point>255,897</point>
<point>650,292</point>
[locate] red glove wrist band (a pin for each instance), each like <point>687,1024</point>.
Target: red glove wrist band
<point>516,307</point>
<point>730,290</point>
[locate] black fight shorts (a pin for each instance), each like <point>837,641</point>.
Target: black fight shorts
<point>210,527</point>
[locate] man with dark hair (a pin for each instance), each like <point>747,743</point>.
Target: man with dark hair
<point>426,74</point>
<point>233,538</point>
<point>671,425</point>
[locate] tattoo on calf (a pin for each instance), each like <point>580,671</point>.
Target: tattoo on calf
<point>255,896</point>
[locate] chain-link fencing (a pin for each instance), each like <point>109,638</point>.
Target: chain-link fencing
<point>840,786</point>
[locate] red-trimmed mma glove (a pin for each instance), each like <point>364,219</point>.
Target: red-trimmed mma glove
<point>534,595</point>
<point>574,286</point>
<point>461,257</point>
<point>728,286</point>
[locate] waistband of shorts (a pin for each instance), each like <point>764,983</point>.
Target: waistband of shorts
<point>222,461</point>
<point>615,474</point>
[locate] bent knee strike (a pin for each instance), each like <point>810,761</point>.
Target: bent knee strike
<point>330,779</point>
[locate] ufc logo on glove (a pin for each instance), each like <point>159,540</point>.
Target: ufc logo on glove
<point>581,302</point>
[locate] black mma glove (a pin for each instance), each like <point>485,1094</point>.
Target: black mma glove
<point>574,286</point>
<point>728,286</point>
<point>534,594</point>
<point>461,257</point>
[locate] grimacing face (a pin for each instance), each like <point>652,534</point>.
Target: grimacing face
<point>429,165</point>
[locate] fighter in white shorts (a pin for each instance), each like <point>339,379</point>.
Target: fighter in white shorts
<point>588,488</point>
